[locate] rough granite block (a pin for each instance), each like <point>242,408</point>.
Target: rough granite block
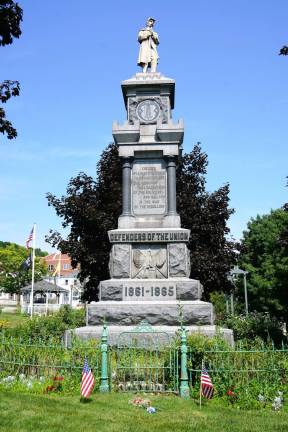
<point>156,313</point>
<point>178,261</point>
<point>110,291</point>
<point>119,264</point>
<point>189,290</point>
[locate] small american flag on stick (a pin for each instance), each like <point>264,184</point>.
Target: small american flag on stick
<point>30,238</point>
<point>88,380</point>
<point>207,388</point>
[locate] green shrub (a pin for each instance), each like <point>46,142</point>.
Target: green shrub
<point>255,325</point>
<point>198,342</point>
<point>51,327</point>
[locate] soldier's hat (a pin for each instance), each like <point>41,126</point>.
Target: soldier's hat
<point>151,19</point>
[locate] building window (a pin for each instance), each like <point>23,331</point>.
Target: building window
<point>50,267</point>
<point>66,266</point>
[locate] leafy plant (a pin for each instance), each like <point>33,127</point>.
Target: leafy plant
<point>49,328</point>
<point>264,254</point>
<point>256,325</point>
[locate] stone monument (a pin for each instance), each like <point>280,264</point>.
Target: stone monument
<point>149,260</point>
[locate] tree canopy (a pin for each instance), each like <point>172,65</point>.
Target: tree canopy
<point>13,274</point>
<point>264,255</point>
<point>11,16</point>
<point>206,215</point>
<point>91,207</point>
<point>284,50</point>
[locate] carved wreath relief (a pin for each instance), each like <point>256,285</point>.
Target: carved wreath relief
<point>149,262</point>
<point>148,110</point>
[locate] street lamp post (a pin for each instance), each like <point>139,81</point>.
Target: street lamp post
<point>245,292</point>
<point>236,271</point>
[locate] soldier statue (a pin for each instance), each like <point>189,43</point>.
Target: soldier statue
<point>148,39</point>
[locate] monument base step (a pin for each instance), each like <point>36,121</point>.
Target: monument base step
<point>156,312</point>
<point>95,332</point>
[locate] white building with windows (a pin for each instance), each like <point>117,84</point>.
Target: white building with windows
<point>60,272</point>
<point>70,283</point>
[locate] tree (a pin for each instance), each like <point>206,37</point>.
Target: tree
<point>10,18</point>
<point>264,254</point>
<point>91,208</point>
<point>13,274</point>
<point>284,50</point>
<point>206,215</point>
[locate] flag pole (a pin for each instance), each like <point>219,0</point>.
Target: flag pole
<point>59,275</point>
<point>59,268</point>
<point>33,271</point>
<point>46,302</point>
<point>200,390</point>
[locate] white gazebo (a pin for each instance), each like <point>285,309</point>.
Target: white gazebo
<point>47,297</point>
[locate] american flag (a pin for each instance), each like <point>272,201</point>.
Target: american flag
<point>206,384</point>
<point>88,381</point>
<point>30,238</point>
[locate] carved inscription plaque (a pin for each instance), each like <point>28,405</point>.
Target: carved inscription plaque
<point>149,290</point>
<point>149,187</point>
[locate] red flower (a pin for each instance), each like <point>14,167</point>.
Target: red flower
<point>58,378</point>
<point>230,393</point>
<point>49,389</point>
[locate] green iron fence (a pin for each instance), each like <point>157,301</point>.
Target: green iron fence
<point>46,358</point>
<point>144,361</point>
<point>240,368</point>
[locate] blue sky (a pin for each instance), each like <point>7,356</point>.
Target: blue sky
<point>231,91</point>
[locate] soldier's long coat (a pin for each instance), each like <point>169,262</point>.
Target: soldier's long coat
<point>148,47</point>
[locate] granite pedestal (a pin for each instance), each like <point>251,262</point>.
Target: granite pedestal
<point>149,261</point>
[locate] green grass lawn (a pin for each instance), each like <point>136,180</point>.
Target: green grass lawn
<point>13,319</point>
<point>111,412</point>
